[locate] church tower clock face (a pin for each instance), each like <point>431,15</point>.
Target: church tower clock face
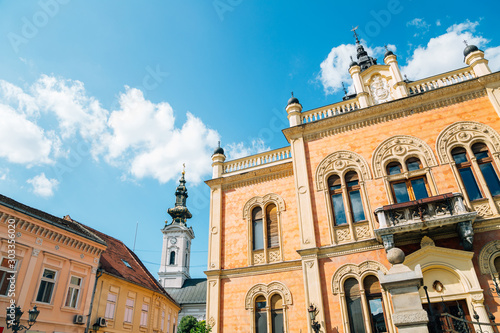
<point>173,241</point>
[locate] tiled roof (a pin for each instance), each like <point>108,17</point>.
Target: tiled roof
<point>193,291</point>
<point>114,262</point>
<point>68,225</point>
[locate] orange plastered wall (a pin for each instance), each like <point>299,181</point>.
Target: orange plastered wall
<point>426,126</point>
<point>235,318</point>
<point>235,229</point>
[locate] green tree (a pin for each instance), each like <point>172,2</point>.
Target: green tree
<point>187,324</point>
<point>201,327</point>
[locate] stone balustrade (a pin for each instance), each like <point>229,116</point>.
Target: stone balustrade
<point>330,110</point>
<point>441,80</point>
<point>269,157</point>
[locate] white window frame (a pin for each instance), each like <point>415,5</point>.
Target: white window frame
<point>72,289</point>
<point>5,271</point>
<point>111,306</point>
<point>47,280</point>
<point>144,314</point>
<point>129,311</point>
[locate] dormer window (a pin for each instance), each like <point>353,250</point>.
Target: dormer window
<point>126,263</point>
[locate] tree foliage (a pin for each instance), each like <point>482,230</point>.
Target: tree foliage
<point>201,327</point>
<point>187,324</point>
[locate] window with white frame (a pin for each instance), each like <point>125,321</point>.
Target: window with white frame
<point>129,310</point>
<point>47,284</point>
<point>162,325</point>
<point>144,314</point>
<point>110,306</point>
<point>7,265</point>
<point>168,323</point>
<point>73,295</point>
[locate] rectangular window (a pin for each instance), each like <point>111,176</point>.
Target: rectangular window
<point>491,178</point>
<point>46,286</point>
<point>258,232</point>
<point>470,183</point>
<point>168,324</point>
<point>73,292</point>
<point>338,209</point>
<point>144,315</point>
<point>110,306</point>
<point>419,188</point>
<point>129,310</point>
<point>7,265</point>
<point>162,320</point>
<point>358,213</point>
<point>260,322</point>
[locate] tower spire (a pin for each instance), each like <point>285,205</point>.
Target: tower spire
<point>364,60</point>
<point>180,213</point>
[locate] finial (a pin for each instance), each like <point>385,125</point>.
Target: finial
<point>406,78</point>
<point>351,58</point>
<point>219,144</point>
<point>343,87</point>
<point>184,165</point>
<point>465,42</point>
<point>355,34</point>
<point>292,93</point>
<point>386,48</point>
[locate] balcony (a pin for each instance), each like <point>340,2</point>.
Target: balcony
<point>430,215</point>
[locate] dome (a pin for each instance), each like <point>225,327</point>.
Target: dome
<point>293,100</point>
<point>469,49</point>
<point>218,150</point>
<point>353,63</point>
<point>388,53</point>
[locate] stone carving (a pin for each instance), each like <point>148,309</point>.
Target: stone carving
<point>35,252</point>
<point>267,290</point>
<point>211,322</point>
<point>214,230</point>
<point>310,264</point>
<point>466,234</point>
<point>262,201</point>
<point>362,232</point>
<point>339,162</point>
<point>477,298</point>
<point>483,210</point>
<point>415,317</point>
<point>356,271</point>
<point>398,147</point>
<point>274,255</point>
<point>258,258</point>
<point>380,90</point>
<point>426,241</point>
<point>388,241</point>
<point>343,234</point>
<point>487,255</point>
<point>56,247</point>
<point>464,133</point>
<point>39,241</point>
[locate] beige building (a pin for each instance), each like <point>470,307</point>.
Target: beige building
<point>54,262</point>
<point>401,164</point>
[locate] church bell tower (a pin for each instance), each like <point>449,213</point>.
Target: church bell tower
<point>177,237</point>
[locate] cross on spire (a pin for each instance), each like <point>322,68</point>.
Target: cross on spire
<point>465,42</point>
<point>343,87</point>
<point>355,34</point>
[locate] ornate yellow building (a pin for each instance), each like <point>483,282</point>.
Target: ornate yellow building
<point>410,165</point>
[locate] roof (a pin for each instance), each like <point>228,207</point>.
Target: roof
<point>114,262</point>
<point>68,225</point>
<point>193,291</point>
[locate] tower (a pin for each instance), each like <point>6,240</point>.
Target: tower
<point>177,237</point>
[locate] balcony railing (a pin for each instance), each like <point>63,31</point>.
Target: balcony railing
<point>428,213</point>
<point>269,157</point>
<point>441,80</point>
<point>330,110</point>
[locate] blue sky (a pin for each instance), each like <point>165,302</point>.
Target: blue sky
<point>101,102</point>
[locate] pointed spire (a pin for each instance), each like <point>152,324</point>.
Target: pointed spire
<point>364,60</point>
<point>180,213</point>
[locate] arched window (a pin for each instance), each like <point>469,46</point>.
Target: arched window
<point>260,315</point>
<point>172,258</point>
<point>258,230</point>
<point>346,190</point>
<point>263,216</point>
<point>407,188</point>
<point>485,162</point>
<point>464,167</point>
<point>277,314</point>
<point>367,305</point>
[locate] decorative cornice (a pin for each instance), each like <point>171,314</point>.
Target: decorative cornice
<point>399,108</point>
<point>255,177</point>
<point>43,232</point>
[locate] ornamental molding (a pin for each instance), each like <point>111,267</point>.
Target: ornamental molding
<point>410,318</point>
<point>381,113</point>
<point>340,162</point>
<point>356,271</point>
<point>41,232</point>
<point>252,178</point>
<point>487,255</point>
<point>398,148</point>
<point>263,201</point>
<point>267,291</point>
<point>465,133</point>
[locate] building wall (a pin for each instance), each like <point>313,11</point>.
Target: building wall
<point>158,304</point>
<point>39,246</point>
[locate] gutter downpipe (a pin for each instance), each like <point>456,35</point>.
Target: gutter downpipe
<point>97,276</point>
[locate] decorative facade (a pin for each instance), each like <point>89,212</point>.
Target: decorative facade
<point>400,165</point>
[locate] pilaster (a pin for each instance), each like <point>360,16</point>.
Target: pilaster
<point>313,291</point>
<point>213,303</point>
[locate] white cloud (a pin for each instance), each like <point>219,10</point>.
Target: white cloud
<point>143,137</point>
<point>335,68</point>
<point>438,23</point>
<point>237,150</point>
<point>3,173</point>
<point>42,186</point>
<point>422,26</point>
<point>444,53</point>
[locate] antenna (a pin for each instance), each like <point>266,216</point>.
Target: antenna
<point>135,237</point>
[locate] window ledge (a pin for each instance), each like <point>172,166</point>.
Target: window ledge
<point>128,326</point>
<point>69,309</point>
<point>43,305</point>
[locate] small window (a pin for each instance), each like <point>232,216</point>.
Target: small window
<point>408,189</point>
<point>394,168</point>
<point>465,170</point>
<point>73,292</point>
<point>272,226</point>
<point>172,258</point>
<point>258,229</point>
<point>260,315</point>
<point>336,195</point>
<point>46,286</point>
<point>126,263</point>
<point>413,164</point>
<point>485,162</point>
<point>353,190</point>
<point>162,325</point>
<point>354,305</point>
<point>373,294</point>
<point>277,314</point>
<point>6,267</point>
<point>129,310</point>
<point>144,315</point>
<point>110,306</point>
